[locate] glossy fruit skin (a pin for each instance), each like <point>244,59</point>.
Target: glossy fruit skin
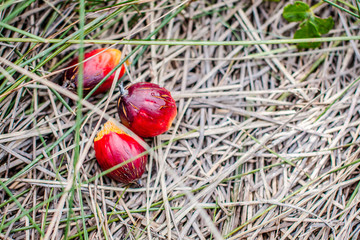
<point>115,147</point>
<point>147,109</point>
<point>95,69</point>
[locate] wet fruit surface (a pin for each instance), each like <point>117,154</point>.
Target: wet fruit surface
<point>147,109</point>
<point>97,64</point>
<point>112,147</point>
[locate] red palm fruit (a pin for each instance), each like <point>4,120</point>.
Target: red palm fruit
<point>112,147</point>
<point>147,109</point>
<point>95,69</point>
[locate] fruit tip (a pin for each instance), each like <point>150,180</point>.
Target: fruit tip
<point>108,127</point>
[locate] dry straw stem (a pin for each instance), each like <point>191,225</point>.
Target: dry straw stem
<point>265,144</point>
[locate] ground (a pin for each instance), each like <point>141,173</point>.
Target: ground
<point>264,145</point>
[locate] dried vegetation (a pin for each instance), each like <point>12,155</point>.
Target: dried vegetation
<point>265,145</point>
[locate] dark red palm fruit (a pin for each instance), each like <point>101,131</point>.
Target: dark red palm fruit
<point>112,147</point>
<point>147,109</point>
<point>95,69</point>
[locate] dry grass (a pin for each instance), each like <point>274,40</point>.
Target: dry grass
<point>265,144</point>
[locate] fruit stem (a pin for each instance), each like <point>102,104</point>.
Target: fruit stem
<point>123,91</point>
<point>137,183</point>
<point>69,85</point>
<point>65,84</point>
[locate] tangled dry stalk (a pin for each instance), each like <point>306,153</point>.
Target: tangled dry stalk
<point>265,145</point>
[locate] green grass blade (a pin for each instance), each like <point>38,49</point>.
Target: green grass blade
<point>342,8</point>
<point>13,198</point>
<point>78,121</point>
<point>40,39</point>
